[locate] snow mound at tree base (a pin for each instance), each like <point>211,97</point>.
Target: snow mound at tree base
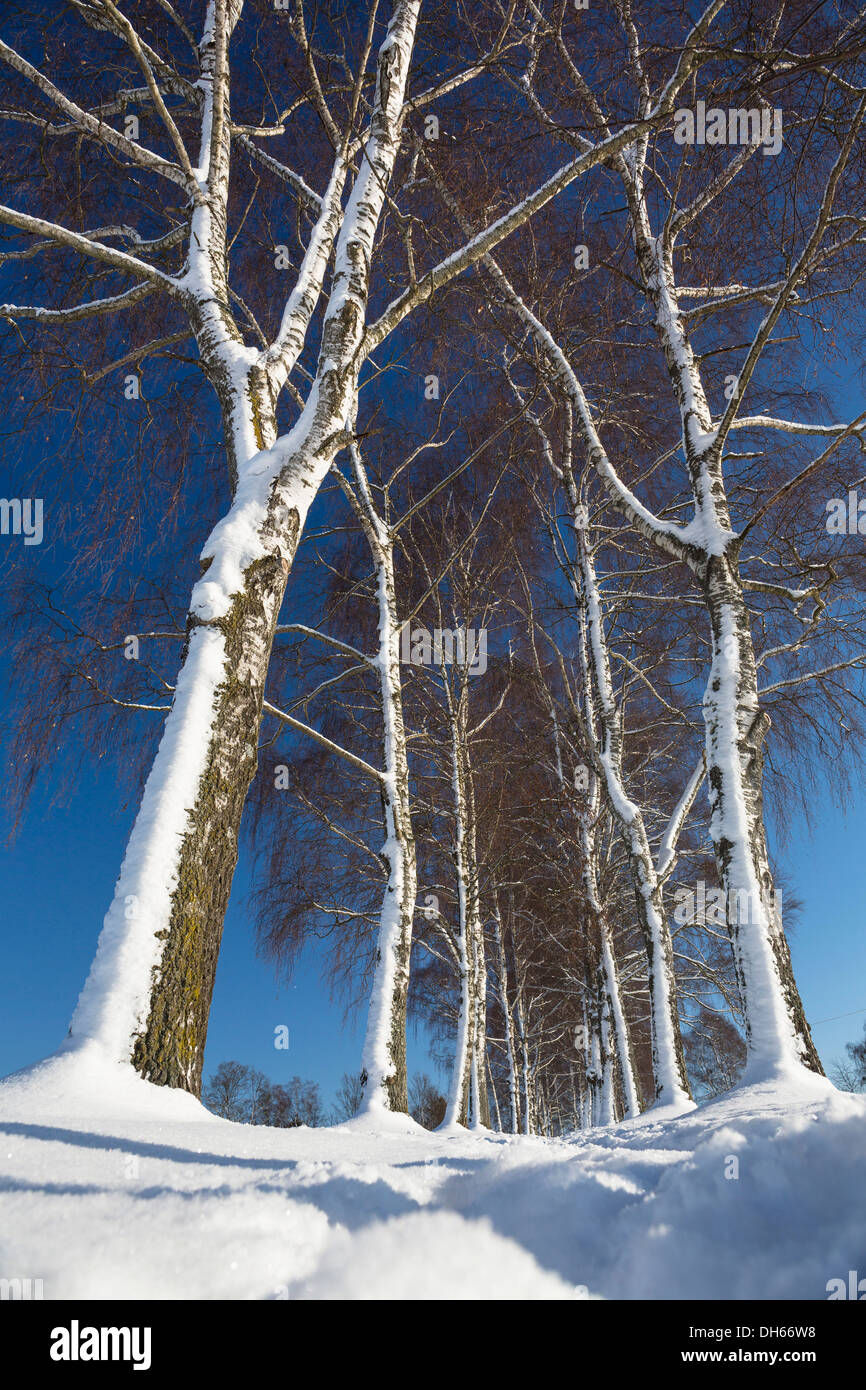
<point>113,1188</point>
<point>80,1080</point>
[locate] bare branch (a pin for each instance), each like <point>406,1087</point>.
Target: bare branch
<point>332,747</point>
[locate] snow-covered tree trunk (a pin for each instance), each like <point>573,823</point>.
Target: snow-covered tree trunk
<point>479,1099</point>
<point>608,1105</point>
<point>149,990</point>
<point>457,1107</point>
<point>458,1092</point>
<point>669,1068</point>
<point>617,1042</point>
<point>492,1084</point>
<point>589,1054</point>
<point>778,1035</point>
<point>147,995</point>
<point>596,1055</point>
<point>600,716</point>
<point>384,1057</point>
<point>529,1109</point>
<point>619,1025</point>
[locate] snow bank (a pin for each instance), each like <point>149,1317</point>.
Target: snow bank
<point>111,1187</point>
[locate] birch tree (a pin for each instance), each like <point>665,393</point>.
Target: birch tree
<point>148,993</point>
<point>600,720</point>
<point>657,217</point>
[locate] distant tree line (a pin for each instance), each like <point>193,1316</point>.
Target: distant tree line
<point>246,1096</point>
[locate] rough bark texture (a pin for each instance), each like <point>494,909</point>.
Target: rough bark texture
<point>170,1048</point>
<point>776,1028</point>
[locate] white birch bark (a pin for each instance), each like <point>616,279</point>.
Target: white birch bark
<point>149,990</point>
<point>672,1087</point>
<point>207,756</point>
<point>383,1066</point>
<point>617,1042</point>
<point>467,1095</point>
<point>778,1037</point>
<point>510,1056</point>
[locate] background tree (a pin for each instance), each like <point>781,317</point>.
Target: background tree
<point>850,1073</point>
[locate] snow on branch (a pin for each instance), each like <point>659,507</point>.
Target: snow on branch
<point>855,427</point>
<point>668,847</point>
<point>98,129</point>
<point>325,637</point>
<point>486,240</point>
<point>856,663</point>
<point>800,265</point>
<point>77,311</point>
<point>96,250</point>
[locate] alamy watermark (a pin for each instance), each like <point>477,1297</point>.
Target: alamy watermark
<point>846,516</point>
<point>854,1288</point>
<point>22,516</point>
<point>444,646</point>
<point>742,125</point>
<point>21,1290</point>
<point>77,1343</point>
<point>713,907</point>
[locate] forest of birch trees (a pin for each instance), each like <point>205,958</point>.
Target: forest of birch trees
<point>445,419</point>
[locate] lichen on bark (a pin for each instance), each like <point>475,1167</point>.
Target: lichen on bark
<point>170,1048</point>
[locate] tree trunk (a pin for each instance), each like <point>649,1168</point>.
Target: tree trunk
<point>669,1067</point>
<point>607,1041</point>
<point>456,1110</point>
<point>777,1034</point>
<point>621,1031</point>
<point>619,1043</point>
<point>384,1057</point>
<point>478,1093</point>
<point>528,1098</point>
<point>149,989</point>
<point>465,1056</point>
<point>509,1026</point>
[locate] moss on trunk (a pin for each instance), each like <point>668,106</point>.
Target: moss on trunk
<point>170,1049</point>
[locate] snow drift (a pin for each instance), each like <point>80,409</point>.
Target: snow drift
<point>112,1187</point>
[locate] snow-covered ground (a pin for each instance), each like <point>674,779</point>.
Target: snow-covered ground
<point>112,1188</point>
